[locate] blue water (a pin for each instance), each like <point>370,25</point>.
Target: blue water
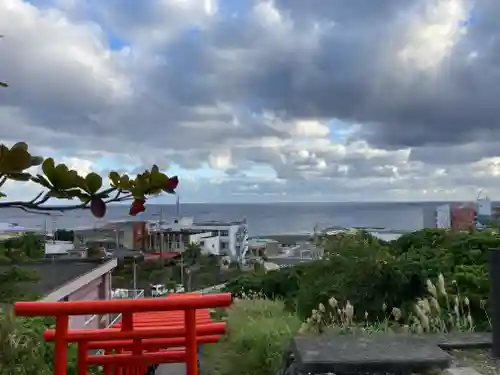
<point>276,218</point>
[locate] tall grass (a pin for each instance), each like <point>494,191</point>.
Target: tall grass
<point>259,330</point>
<point>443,310</point>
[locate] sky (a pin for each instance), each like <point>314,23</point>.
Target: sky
<point>261,101</point>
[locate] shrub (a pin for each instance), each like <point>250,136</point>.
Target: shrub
<point>443,309</point>
<point>371,272</point>
<point>23,351</point>
<point>259,331</point>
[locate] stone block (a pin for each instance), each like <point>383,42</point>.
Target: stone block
<point>348,354</point>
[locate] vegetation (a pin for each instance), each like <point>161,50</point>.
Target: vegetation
<point>23,349</point>
<point>369,272</point>
<point>364,285</point>
<point>430,281</point>
<point>259,330</point>
<point>200,271</point>
<point>60,182</point>
<point>64,235</point>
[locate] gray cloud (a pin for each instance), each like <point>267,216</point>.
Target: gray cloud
<point>193,84</point>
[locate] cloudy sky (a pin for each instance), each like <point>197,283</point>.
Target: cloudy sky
<point>258,100</point>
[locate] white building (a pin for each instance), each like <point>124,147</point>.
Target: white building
<point>215,237</point>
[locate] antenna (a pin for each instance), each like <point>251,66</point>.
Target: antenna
<point>480,194</point>
<point>178,207</point>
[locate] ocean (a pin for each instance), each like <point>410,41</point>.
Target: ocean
<point>262,219</point>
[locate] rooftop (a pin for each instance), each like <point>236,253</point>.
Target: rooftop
<point>168,255</point>
<point>180,230</point>
<point>54,273</point>
<point>217,223</point>
<point>289,261</point>
<point>126,253</point>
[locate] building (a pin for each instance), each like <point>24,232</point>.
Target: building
<point>71,280</point>
<point>465,217</point>
<point>54,248</point>
<point>176,240</point>
<point>214,237</point>
<point>122,234</point>
<point>265,246</point>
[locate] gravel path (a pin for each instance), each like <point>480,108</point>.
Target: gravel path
<point>479,359</point>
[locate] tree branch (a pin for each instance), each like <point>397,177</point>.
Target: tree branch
<point>36,204</point>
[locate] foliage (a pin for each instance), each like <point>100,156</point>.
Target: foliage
<point>13,278</point>
<point>259,331</point>
<point>23,350</point>
<point>442,310</point>
<point>206,273</point>
<point>64,235</point>
<point>59,181</point>
<point>26,246</point>
<point>369,272</point>
<point>192,254</point>
<point>13,282</point>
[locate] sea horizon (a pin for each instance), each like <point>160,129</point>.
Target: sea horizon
<point>262,218</point>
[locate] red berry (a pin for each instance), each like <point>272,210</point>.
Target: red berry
<point>98,207</point>
<point>172,183</point>
<point>137,207</point>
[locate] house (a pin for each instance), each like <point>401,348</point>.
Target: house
<point>224,238</point>
<point>67,279</point>
<point>265,246</point>
<point>126,234</point>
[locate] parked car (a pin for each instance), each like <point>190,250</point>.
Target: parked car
<point>158,290</point>
<point>119,293</point>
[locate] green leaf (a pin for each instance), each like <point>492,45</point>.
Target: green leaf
<point>21,146</point>
<point>84,198</point>
<point>18,159</point>
<point>3,84</point>
<point>93,182</point>
<point>41,180</point>
<point>2,195</point>
<point>36,161</point>
<point>48,168</point>
<point>20,176</point>
<point>114,177</point>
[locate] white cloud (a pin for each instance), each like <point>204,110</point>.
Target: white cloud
<point>278,101</point>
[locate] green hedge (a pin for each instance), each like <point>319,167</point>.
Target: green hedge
<point>370,273</point>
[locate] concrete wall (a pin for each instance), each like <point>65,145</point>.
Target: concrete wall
<point>209,244</point>
<point>94,285</point>
<point>58,247</point>
<point>91,291</point>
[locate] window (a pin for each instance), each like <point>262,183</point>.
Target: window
<point>224,245</point>
<point>224,233</point>
<point>202,243</point>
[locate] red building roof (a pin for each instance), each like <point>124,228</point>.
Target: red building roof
<point>164,255</point>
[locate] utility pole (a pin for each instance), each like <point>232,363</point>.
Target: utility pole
<point>161,237</point>
<point>117,239</point>
<point>182,269</point>
<point>134,276</point>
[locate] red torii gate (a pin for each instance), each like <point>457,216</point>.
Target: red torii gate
<point>152,331</point>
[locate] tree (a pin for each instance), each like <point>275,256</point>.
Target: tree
<point>192,254</point>
<point>60,182</point>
